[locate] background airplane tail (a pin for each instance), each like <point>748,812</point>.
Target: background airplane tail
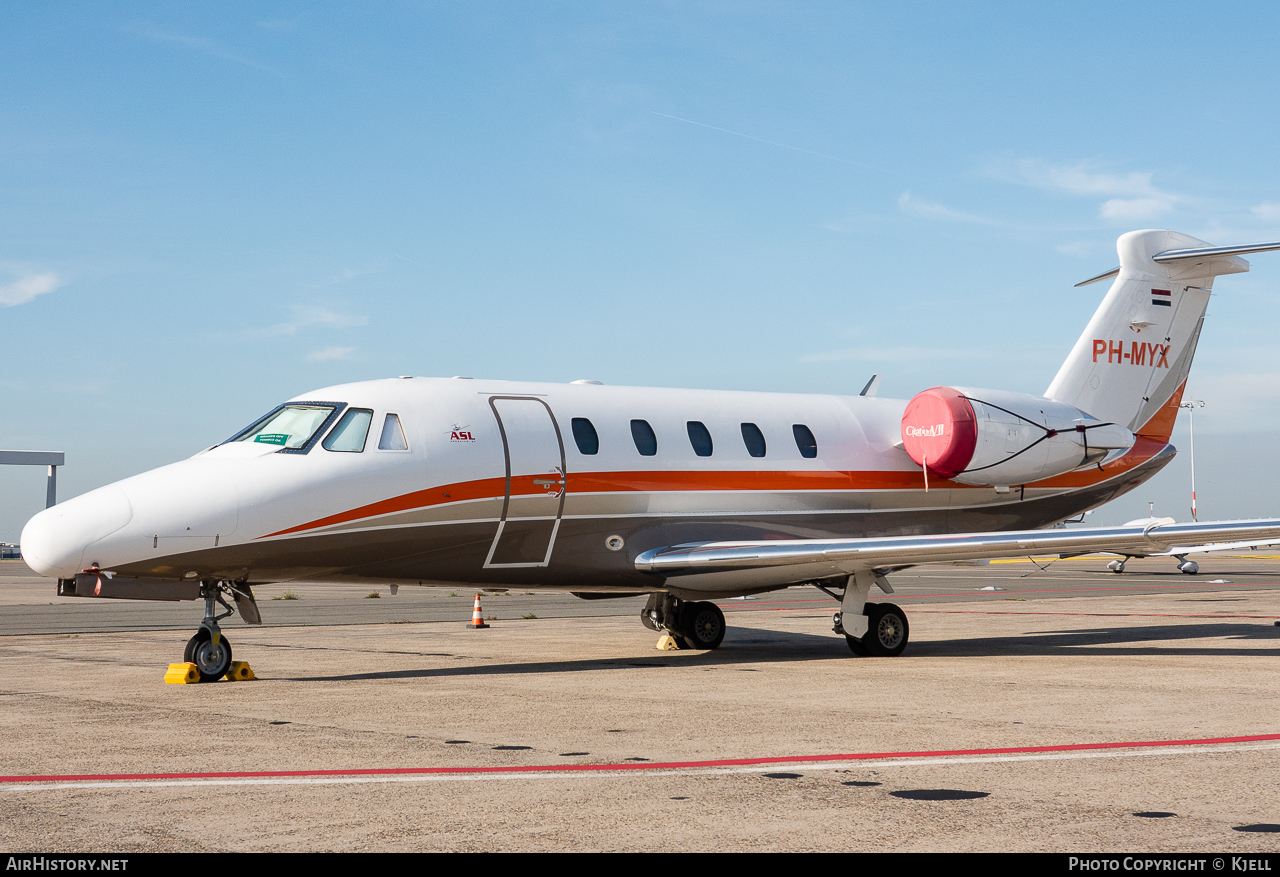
<point>1130,366</point>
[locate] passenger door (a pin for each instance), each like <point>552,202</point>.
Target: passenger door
<point>535,487</point>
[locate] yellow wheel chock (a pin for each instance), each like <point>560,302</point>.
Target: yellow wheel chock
<point>187,674</point>
<point>240,672</point>
<point>182,674</point>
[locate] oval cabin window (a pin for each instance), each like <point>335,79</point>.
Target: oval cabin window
<point>642,435</point>
<point>700,438</point>
<point>753,438</point>
<point>805,441</point>
<point>585,436</point>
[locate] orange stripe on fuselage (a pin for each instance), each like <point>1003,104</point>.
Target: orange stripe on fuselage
<point>676,480</point>
<point>483,488</point>
<point>825,479</point>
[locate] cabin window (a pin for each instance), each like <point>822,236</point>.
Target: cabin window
<point>392,435</point>
<point>699,438</point>
<point>753,438</point>
<point>291,427</point>
<point>351,432</point>
<point>585,435</point>
<point>805,441</point>
<point>642,435</point>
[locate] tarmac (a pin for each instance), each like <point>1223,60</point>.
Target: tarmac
<point>1071,710</point>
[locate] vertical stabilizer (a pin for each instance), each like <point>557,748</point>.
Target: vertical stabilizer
<point>1131,363</point>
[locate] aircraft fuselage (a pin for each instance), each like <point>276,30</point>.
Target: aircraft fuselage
<point>536,485</point>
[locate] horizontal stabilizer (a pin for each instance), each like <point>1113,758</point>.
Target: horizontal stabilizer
<point>1238,250</point>
<point>1103,276</point>
<point>1194,253</point>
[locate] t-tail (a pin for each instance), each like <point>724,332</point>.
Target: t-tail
<point>1123,380</point>
<point>1131,364</point>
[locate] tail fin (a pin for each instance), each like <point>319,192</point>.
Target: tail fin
<point>1130,365</point>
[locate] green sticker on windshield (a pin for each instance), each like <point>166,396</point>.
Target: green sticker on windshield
<point>272,438</point>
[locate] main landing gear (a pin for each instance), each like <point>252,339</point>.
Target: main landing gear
<point>209,649</point>
<point>1188,567</point>
<point>695,625</point>
<point>877,630</point>
<point>887,631</point>
<point>871,629</point>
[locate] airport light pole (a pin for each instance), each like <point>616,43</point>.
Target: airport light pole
<point>1191,405</point>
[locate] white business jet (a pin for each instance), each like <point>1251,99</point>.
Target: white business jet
<point>684,495</point>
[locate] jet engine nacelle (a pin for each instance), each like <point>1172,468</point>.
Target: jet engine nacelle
<point>995,438</point>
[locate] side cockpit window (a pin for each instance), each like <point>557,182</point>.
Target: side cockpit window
<point>351,432</point>
<point>293,427</point>
<point>392,438</point>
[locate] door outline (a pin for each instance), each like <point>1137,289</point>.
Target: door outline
<point>506,501</point>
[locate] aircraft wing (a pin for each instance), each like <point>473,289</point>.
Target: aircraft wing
<point>827,557</point>
<point>1214,546</point>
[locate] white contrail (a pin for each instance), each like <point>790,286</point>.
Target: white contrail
<point>770,142</point>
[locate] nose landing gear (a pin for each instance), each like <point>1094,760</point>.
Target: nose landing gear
<point>209,650</point>
<point>211,656</point>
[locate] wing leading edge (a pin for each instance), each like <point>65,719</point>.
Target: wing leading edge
<point>817,557</point>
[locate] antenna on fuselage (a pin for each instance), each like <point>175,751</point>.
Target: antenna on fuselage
<point>871,387</point>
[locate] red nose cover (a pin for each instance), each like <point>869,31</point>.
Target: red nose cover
<point>940,428</point>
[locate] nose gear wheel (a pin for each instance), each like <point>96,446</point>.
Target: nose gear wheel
<point>212,660</point>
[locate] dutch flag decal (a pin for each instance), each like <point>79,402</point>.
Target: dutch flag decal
<point>1162,297</point>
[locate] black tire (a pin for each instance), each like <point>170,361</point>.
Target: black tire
<point>212,662</point>
<point>856,645</point>
<point>887,630</point>
<point>703,626</point>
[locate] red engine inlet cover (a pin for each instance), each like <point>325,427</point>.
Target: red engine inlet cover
<point>940,431</point>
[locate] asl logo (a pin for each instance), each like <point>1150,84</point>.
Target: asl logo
<point>1138,353</point>
<point>461,434</point>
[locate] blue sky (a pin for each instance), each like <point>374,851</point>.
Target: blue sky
<point>206,209</point>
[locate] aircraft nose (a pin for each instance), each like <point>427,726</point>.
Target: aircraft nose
<point>54,541</point>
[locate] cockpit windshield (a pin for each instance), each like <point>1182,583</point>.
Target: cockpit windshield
<point>289,426</point>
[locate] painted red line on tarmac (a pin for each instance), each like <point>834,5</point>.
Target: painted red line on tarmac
<point>1098,614</point>
<point>632,766</point>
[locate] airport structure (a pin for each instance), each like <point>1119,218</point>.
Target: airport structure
<point>51,459</point>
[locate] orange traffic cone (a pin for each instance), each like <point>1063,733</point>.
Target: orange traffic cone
<point>477,617</point>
